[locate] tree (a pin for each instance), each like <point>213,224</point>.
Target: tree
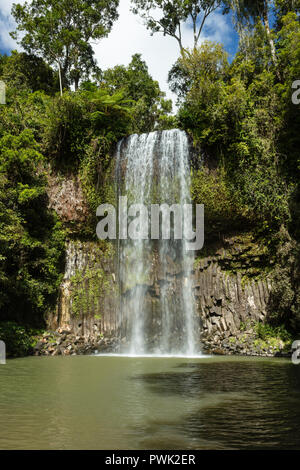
<point>27,72</point>
<point>173,14</point>
<point>253,55</point>
<point>234,114</point>
<point>283,7</point>
<point>205,64</point>
<point>289,60</point>
<point>61,31</point>
<point>137,84</point>
<point>248,10</point>
<point>31,238</point>
<point>74,119</point>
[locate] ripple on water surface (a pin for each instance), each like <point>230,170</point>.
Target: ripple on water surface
<point>113,402</point>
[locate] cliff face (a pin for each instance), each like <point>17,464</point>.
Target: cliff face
<point>67,199</point>
<point>232,293</point>
<point>231,284</point>
<point>228,303</point>
<point>88,297</point>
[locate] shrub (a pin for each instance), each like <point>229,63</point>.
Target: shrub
<point>266,331</point>
<point>19,340</point>
<point>222,213</point>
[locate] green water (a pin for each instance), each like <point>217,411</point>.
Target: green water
<point>89,402</point>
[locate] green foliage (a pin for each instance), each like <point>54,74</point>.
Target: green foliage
<point>289,62</point>
<point>32,240</point>
<point>27,72</point>
<point>19,341</point>
<point>74,120</point>
<point>109,112</point>
<point>61,32</point>
<point>233,117</point>
<point>91,284</point>
<point>79,136</point>
<point>194,72</point>
<point>98,175</point>
<point>283,7</point>
<point>88,287</point>
<point>149,108</point>
<point>222,212</point>
<point>75,133</point>
<point>24,110</point>
<point>170,16</point>
<point>265,331</point>
<point>65,131</point>
<point>285,297</point>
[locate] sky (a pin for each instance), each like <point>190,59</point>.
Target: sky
<point>130,36</point>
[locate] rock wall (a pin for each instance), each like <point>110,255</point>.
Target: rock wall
<point>226,302</point>
<point>67,199</point>
<point>88,297</point>
<point>231,286</point>
<point>226,293</point>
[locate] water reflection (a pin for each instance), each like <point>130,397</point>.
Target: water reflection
<point>241,405</point>
<point>149,403</point>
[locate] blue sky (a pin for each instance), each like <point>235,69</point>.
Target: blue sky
<point>130,36</point>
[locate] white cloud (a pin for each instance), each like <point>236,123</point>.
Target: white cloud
<point>130,36</point>
<point>7,24</point>
<point>6,5</point>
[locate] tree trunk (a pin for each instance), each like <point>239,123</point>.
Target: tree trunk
<point>76,82</point>
<point>60,80</point>
<point>270,39</point>
<point>195,31</point>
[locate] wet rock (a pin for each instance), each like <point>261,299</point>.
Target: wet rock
<point>218,352</point>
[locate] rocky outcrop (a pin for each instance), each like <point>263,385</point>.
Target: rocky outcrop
<point>63,342</point>
<point>88,295</point>
<point>247,343</point>
<point>67,199</point>
<point>226,302</point>
<point>231,285</point>
<point>232,289</point>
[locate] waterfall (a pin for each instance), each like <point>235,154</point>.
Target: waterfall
<point>157,311</point>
